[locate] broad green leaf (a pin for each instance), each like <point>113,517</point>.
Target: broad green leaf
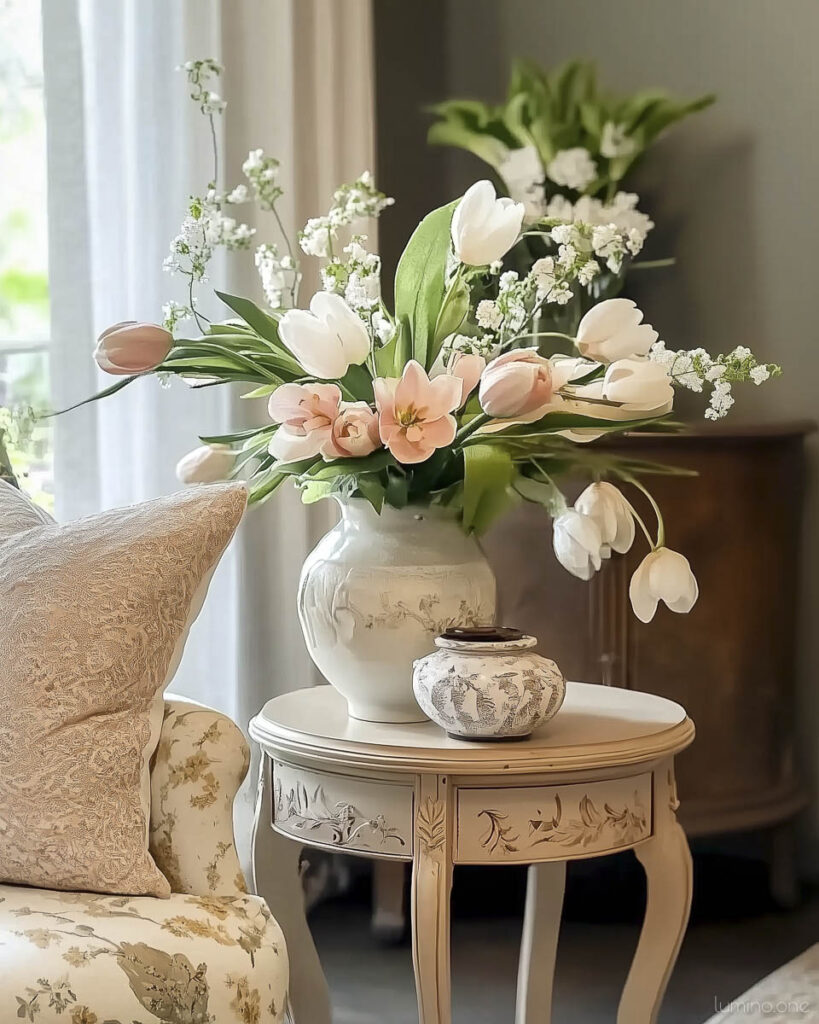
<point>488,473</point>
<point>262,392</point>
<point>359,383</point>
<point>262,323</point>
<point>397,492</point>
<point>538,491</point>
<point>239,435</point>
<point>419,279</point>
<point>261,487</point>
<point>352,467</point>
<point>315,490</point>
<point>372,489</point>
<point>123,382</point>
<point>452,315</point>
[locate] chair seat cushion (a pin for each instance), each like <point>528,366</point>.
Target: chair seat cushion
<point>80,958</point>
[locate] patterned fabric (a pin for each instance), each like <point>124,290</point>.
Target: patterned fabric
<point>95,616</point>
<point>201,761</point>
<point>788,996</point>
<point>76,958</point>
<point>196,958</point>
<point>17,513</point>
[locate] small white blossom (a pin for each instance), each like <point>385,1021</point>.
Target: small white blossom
<point>572,168</point>
<point>759,374</point>
<point>615,141</point>
<point>239,194</point>
<point>720,402</point>
<point>488,315</point>
<point>508,280</point>
<point>383,327</point>
<point>272,274</point>
<point>587,273</point>
<point>314,238</point>
<point>496,267</point>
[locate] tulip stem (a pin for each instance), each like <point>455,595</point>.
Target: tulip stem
<point>471,427</point>
<point>660,522</point>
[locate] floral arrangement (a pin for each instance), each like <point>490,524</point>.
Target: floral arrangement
<point>444,399</point>
<point>562,147</point>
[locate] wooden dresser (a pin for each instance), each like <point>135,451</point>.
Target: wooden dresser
<point>732,661</point>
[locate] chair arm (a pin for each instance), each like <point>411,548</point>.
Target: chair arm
<point>200,763</point>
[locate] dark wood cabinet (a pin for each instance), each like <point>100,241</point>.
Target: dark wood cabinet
<point>732,661</point>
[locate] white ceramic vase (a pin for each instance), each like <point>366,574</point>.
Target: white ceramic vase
<point>488,689</point>
<point>377,590</point>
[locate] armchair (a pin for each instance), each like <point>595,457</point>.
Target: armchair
<point>210,954</point>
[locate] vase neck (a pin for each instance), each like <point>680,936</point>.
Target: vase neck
<point>358,513</point>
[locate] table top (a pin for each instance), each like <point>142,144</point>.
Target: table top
<point>597,727</point>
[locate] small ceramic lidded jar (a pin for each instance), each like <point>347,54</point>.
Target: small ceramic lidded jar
<point>486,682</point>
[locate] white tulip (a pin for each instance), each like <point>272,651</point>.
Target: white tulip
<point>206,465</point>
<point>663,575</point>
<point>328,339</point>
<point>603,503</point>
<point>639,382</point>
<point>577,543</point>
<point>613,329</point>
<point>484,228</point>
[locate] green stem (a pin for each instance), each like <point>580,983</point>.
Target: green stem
<point>652,264</point>
<point>470,428</point>
<point>660,522</point>
<point>453,284</point>
<point>542,334</point>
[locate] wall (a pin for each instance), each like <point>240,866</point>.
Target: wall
<point>733,190</point>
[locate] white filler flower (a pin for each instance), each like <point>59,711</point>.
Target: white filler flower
<point>573,168</point>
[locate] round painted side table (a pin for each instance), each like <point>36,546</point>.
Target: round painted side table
<point>597,779</point>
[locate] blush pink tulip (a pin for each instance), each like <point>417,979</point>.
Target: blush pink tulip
<point>468,367</point>
<point>516,383</point>
<point>414,412</point>
<point>354,432</point>
<point>131,347</point>
<point>306,413</point>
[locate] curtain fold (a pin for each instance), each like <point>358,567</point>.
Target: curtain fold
<point>126,148</point>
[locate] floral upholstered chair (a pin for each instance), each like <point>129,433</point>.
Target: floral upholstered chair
<point>211,954</point>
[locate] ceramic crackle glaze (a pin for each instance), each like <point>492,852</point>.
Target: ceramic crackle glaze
<point>488,684</point>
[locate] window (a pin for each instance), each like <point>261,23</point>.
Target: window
<point>24,307</point>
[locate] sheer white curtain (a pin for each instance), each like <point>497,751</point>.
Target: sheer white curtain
<point>126,149</point>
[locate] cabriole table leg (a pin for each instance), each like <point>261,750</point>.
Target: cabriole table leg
<point>431,889</point>
<point>545,886</point>
<point>276,877</point>
<point>667,863</point>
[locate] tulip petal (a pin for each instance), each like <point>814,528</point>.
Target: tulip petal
<point>643,601</point>
<point>607,318</point>
<point>287,446</point>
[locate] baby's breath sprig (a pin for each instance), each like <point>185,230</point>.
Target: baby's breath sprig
<point>695,369</point>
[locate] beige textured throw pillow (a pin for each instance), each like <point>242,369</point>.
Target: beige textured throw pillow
<point>93,619</point>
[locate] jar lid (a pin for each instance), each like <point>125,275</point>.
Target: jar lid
<point>482,634</point>
<point>485,639</point>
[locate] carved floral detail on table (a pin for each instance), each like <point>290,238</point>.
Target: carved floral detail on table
<point>430,824</point>
<point>621,827</point>
<point>616,826</point>
<point>342,823</point>
<point>499,837</point>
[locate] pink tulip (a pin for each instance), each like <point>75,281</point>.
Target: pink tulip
<point>354,432</point>
<point>469,368</point>
<point>414,412</point>
<point>131,347</point>
<point>307,413</point>
<point>516,383</point>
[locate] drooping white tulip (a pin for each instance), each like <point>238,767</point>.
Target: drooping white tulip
<point>206,465</point>
<point>328,339</point>
<point>605,504</point>
<point>484,228</point>
<point>577,543</point>
<point>613,329</point>
<point>638,382</point>
<point>663,575</point>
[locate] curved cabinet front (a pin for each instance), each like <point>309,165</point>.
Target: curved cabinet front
<point>343,812</point>
<point>529,824</point>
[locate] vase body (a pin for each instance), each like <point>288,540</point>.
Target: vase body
<point>480,691</point>
<point>377,590</point>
